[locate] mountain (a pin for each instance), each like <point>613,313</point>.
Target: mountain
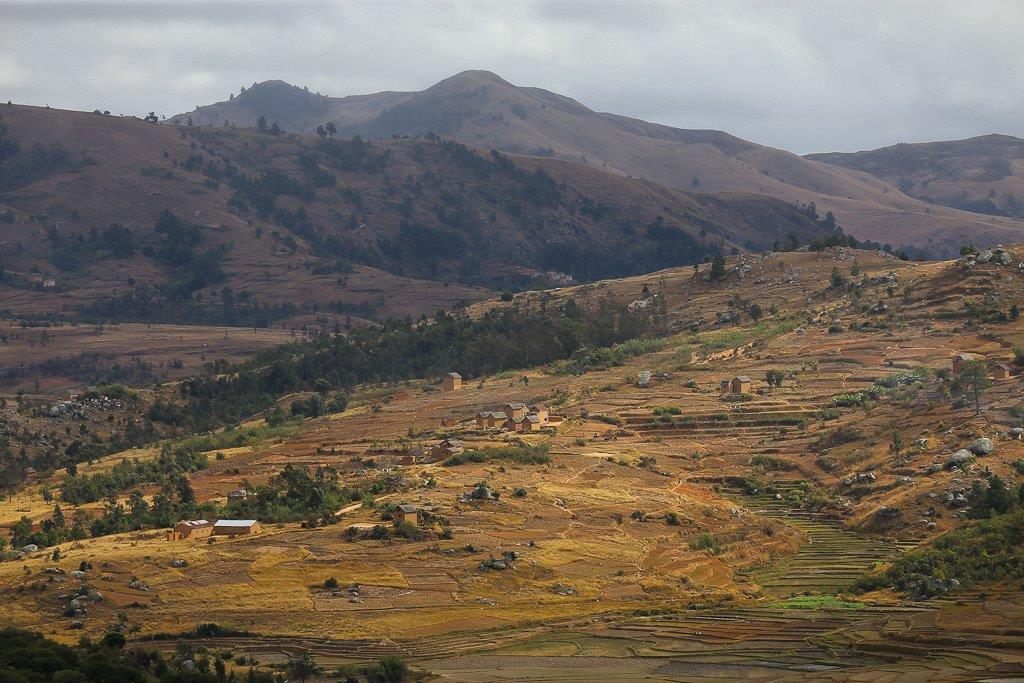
<point>483,110</point>
<point>109,218</point>
<point>983,174</point>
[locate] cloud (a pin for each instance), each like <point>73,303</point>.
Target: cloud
<point>802,75</point>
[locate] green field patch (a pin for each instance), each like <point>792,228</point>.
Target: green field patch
<point>813,602</point>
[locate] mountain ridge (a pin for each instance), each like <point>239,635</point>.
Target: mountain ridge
<point>483,110</point>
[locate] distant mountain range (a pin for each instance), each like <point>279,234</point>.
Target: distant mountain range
<point>483,110</point>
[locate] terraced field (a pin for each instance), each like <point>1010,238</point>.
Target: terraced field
<point>831,557</point>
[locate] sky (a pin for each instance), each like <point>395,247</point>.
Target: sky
<point>806,76</point>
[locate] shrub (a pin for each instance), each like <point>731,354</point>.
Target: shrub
<point>706,541</point>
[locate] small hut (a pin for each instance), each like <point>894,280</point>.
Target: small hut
<point>740,384</point>
<point>409,514</point>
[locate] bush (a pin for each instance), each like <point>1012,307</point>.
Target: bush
<point>331,583</point>
<point>706,541</point>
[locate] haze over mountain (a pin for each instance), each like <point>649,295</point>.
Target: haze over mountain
<point>482,110</point>
<point>984,174</point>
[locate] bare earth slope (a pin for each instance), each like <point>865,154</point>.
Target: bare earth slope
<point>481,109</point>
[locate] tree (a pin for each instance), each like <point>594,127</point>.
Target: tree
<point>838,279</point>
<point>331,129</point>
<point>830,221</point>
<point>275,129</point>
<point>392,669</point>
<point>755,311</point>
<point>321,132</point>
<point>774,378</point>
<point>717,267</point>
<point>303,667</point>
<point>152,118</point>
<point>896,446</point>
<point>972,379</point>
<point>261,123</point>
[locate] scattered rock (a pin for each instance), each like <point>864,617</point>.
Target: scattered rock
<point>77,574</point>
<point>30,548</point>
<point>178,564</point>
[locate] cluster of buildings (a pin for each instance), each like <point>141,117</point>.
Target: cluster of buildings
<point>514,417</point>
<point>201,528</point>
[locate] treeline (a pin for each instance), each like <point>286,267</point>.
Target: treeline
<point>501,339</point>
<point>27,657</point>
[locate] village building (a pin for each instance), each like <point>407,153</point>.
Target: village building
<point>446,449</point>
<point>540,410</point>
<point>452,381</point>
<point>961,358</point>
<point>515,411</point>
<point>513,425</point>
<point>481,419</point>
<point>236,527</point>
<point>740,384</point>
<point>496,419</point>
<point>409,514</point>
<point>49,283</point>
<point>195,528</point>
<point>531,423</point>
<point>412,456</point>
<point>1001,371</point>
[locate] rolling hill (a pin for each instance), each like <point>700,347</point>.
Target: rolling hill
<point>983,174</point>
<point>109,218</point>
<point>483,110</point>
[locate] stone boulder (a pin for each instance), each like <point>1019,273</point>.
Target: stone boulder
<point>981,446</point>
<point>960,458</point>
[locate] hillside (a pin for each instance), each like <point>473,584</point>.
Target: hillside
<point>481,109</point>
<point>293,225</point>
<point>984,174</point>
<point>646,528</point>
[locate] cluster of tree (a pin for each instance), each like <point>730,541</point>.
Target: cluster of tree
<point>502,339</point>
<point>295,495</point>
<point>27,657</point>
<point>522,454</point>
<point>168,467</point>
<point>70,254</point>
<point>152,304</point>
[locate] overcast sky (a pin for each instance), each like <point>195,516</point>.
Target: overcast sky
<point>805,76</point>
